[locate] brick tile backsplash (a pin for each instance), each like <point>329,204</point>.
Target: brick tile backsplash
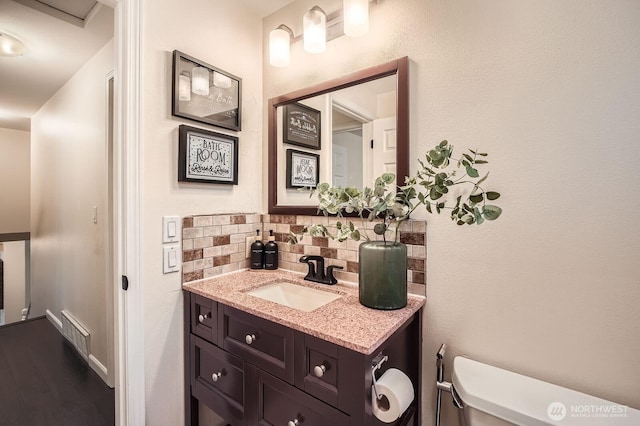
<point>345,253</point>
<point>216,244</point>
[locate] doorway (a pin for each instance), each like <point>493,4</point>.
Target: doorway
<point>93,212</point>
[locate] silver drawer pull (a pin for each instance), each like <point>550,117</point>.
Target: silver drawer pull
<point>250,338</point>
<point>216,376</point>
<point>201,317</point>
<point>293,422</point>
<point>319,370</point>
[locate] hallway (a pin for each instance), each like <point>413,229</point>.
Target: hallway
<point>44,382</point>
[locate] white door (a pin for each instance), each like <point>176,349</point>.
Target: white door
<point>339,165</point>
<point>384,146</point>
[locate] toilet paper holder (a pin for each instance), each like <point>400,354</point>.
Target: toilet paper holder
<point>376,364</point>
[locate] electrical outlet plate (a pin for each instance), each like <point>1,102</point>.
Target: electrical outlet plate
<point>250,241</point>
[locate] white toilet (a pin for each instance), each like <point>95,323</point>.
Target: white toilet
<point>496,397</point>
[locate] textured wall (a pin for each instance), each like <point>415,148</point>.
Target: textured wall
<point>14,180</point>
<point>550,89</point>
<point>225,35</point>
<point>68,178</point>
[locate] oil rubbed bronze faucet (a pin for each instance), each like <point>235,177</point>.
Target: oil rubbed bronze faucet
<point>316,271</point>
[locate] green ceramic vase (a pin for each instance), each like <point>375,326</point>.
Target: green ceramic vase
<point>383,275</point>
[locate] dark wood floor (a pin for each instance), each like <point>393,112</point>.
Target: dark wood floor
<point>44,382</point>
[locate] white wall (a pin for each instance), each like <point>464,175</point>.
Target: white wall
<point>68,177</point>
<point>222,34</point>
<point>14,256</point>
<point>14,181</point>
<point>551,90</point>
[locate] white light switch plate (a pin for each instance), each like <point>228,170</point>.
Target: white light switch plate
<point>171,229</point>
<point>171,259</point>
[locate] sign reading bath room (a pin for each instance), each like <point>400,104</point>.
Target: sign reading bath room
<point>302,126</point>
<point>207,157</point>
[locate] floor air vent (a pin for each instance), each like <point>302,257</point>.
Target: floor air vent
<point>76,334</point>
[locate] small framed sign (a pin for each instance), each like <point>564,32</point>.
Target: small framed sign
<point>207,157</point>
<point>301,126</point>
<point>204,93</point>
<point>303,169</point>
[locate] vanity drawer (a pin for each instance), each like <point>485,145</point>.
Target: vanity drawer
<point>280,403</point>
<point>263,343</point>
<point>218,379</point>
<point>204,318</point>
<point>317,368</point>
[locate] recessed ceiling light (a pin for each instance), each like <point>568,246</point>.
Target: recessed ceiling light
<point>11,46</point>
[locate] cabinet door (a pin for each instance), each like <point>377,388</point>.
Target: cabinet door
<point>263,343</point>
<point>280,403</point>
<point>218,380</point>
<point>204,318</point>
<point>318,368</point>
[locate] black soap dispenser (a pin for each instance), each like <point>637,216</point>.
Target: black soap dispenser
<point>257,252</point>
<point>271,253</point>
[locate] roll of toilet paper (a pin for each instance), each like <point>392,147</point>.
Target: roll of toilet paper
<point>396,393</point>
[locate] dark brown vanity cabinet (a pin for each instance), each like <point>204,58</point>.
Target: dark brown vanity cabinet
<point>252,371</point>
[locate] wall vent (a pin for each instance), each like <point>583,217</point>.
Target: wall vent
<point>76,334</point>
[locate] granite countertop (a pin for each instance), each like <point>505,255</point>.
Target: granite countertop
<point>344,321</point>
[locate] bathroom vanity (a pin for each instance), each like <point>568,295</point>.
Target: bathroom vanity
<point>255,361</point>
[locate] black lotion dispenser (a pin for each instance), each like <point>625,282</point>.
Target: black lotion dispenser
<point>271,253</point>
<point>257,252</point>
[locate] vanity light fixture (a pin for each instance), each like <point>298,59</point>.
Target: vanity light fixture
<point>200,81</point>
<point>280,46</point>
<point>314,23</point>
<point>319,28</point>
<point>11,46</point>
<point>221,81</point>
<point>356,17</point>
<point>184,89</point>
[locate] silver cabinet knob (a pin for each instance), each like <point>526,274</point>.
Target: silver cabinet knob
<point>250,338</point>
<point>293,422</point>
<point>201,317</point>
<point>216,376</point>
<point>319,370</point>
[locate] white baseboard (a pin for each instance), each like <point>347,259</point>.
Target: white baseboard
<point>94,363</point>
<point>54,320</point>
<point>100,369</point>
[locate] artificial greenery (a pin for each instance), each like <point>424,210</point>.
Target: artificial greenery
<point>393,204</point>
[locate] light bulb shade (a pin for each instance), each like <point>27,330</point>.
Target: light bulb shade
<point>11,46</point>
<point>314,23</point>
<point>200,81</point>
<point>356,17</point>
<point>279,47</point>
<point>221,80</point>
<point>184,88</point>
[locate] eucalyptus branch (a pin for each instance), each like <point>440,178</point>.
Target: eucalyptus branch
<point>394,204</point>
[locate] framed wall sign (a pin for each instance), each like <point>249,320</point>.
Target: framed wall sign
<point>207,157</point>
<point>301,126</point>
<point>303,169</point>
<point>204,93</point>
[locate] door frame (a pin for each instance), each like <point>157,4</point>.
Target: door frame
<point>127,185</point>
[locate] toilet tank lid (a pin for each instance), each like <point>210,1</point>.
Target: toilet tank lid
<point>527,401</point>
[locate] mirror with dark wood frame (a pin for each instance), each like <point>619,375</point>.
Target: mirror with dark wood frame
<point>397,68</point>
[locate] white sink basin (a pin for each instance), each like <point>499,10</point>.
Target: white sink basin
<point>294,296</point>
